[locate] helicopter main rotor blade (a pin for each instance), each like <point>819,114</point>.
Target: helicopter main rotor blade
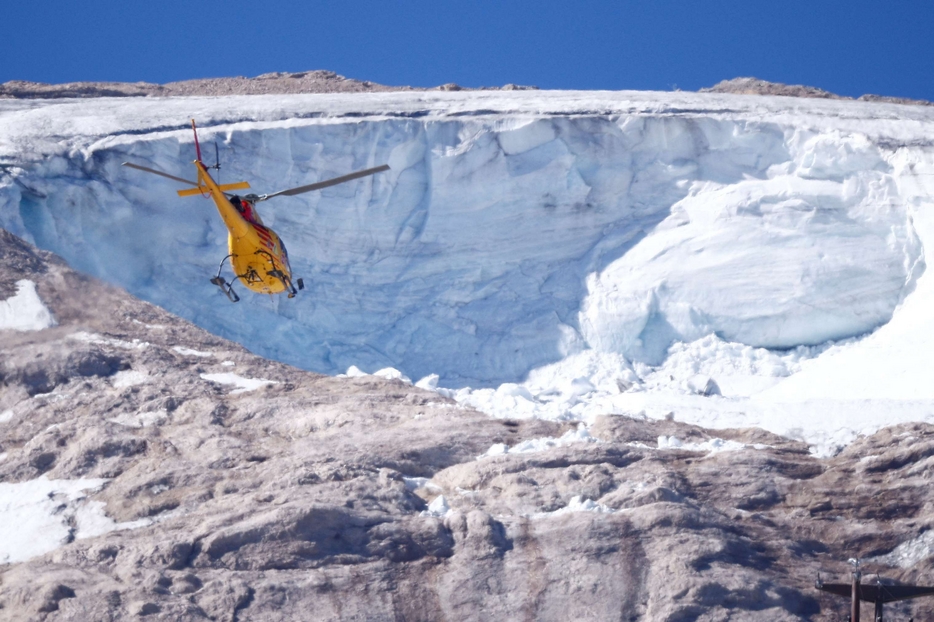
<point>155,172</point>
<point>326,183</point>
<point>160,173</point>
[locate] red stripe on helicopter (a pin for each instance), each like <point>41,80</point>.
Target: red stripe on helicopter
<point>264,236</point>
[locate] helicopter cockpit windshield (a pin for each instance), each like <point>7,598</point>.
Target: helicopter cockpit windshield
<point>246,209</point>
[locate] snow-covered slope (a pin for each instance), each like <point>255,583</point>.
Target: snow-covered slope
<point>611,251</point>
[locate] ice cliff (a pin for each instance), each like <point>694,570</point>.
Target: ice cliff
<point>514,231</point>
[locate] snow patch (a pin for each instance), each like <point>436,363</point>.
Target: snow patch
<point>414,483</point>
<point>135,344</point>
<point>142,420</point>
<point>353,372</point>
<point>36,516</point>
<point>6,415</point>
<point>578,504</point>
<point>92,521</point>
<point>438,507</point>
<point>149,326</point>
<point>189,352</point>
<point>389,373</point>
<point>25,310</point>
<point>129,378</point>
<point>713,445</point>
<point>53,396</point>
<point>242,384</point>
<point>579,435</point>
<point>429,382</point>
<point>909,553</point>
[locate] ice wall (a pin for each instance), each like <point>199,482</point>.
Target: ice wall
<point>501,240</point>
<point>819,248</point>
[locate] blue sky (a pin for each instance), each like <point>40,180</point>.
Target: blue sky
<point>848,47</point>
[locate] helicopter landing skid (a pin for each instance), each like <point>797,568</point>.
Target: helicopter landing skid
<point>226,287</point>
<point>279,274</point>
<point>285,281</point>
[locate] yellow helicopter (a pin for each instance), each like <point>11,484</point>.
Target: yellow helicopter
<point>256,253</point>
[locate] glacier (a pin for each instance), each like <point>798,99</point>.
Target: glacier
<point>554,254</point>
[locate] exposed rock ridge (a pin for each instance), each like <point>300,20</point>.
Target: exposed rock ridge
<point>278,83</point>
<point>755,86</point>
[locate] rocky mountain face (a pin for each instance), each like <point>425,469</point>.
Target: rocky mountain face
<point>229,487</point>
<point>755,86</point>
<point>276,83</point>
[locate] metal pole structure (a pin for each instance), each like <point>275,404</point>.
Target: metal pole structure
<point>854,607</point>
<point>877,593</point>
